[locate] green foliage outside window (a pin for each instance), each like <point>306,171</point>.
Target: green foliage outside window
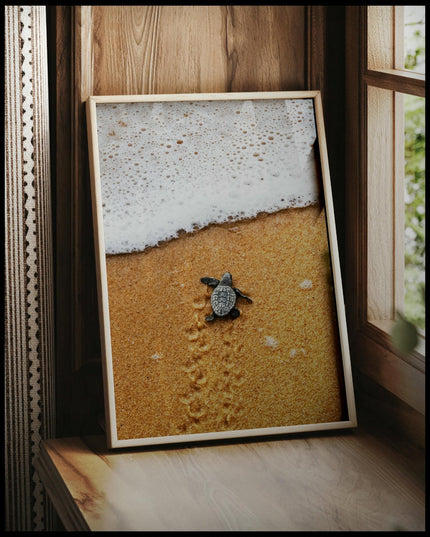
<point>415,183</point>
<point>415,210</point>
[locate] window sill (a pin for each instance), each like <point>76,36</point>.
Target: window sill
<point>313,483</point>
<point>405,378</point>
<point>415,358</point>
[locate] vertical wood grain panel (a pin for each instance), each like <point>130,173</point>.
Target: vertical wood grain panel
<point>316,56</point>
<point>265,47</point>
<point>190,49</point>
<point>196,53</point>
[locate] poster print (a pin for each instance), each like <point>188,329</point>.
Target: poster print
<point>221,304</point>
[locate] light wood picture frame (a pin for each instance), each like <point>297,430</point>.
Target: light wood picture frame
<point>185,189</point>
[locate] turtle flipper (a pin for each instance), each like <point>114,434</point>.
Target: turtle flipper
<point>210,318</point>
<point>239,293</point>
<point>234,314</point>
<point>210,281</point>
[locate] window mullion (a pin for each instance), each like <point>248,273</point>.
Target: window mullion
<point>396,80</point>
<point>380,203</point>
<point>399,42</point>
<point>399,202</point>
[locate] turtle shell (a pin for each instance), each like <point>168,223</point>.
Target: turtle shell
<point>223,300</point>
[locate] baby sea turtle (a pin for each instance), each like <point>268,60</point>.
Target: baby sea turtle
<point>223,298</point>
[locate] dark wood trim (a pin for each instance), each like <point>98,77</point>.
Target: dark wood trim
<point>316,50</point>
<point>60,57</point>
<point>397,81</point>
<point>355,155</point>
<point>325,71</point>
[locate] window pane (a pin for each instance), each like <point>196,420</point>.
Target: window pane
<point>414,38</point>
<point>414,307</point>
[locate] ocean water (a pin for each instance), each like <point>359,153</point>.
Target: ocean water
<point>168,167</point>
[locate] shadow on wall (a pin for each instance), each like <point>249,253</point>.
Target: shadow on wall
<point>83,401</point>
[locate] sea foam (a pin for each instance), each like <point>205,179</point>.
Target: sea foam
<point>167,167</point>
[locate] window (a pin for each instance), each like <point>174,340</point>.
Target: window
<point>395,172</point>
<point>386,192</point>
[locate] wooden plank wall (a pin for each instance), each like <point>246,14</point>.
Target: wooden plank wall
<point>106,50</point>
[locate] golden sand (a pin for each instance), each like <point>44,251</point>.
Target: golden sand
<point>277,364</point>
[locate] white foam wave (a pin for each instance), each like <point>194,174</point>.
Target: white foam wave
<point>174,166</point>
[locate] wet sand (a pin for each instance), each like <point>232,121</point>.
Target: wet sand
<point>277,364</point>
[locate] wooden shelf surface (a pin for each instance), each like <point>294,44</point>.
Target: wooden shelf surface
<point>346,481</point>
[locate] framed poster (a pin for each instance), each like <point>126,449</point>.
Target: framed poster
<point>219,285</point>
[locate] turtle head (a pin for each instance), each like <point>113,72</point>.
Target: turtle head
<point>226,279</point>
